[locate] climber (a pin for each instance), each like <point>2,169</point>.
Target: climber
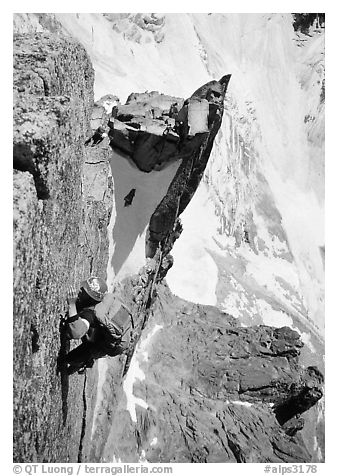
<point>81,323</point>
<point>114,112</point>
<point>128,199</point>
<point>103,330</point>
<point>173,111</point>
<point>111,121</point>
<point>113,116</point>
<point>167,129</point>
<point>97,137</point>
<point>181,122</point>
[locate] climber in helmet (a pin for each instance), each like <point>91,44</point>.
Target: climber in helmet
<point>81,322</point>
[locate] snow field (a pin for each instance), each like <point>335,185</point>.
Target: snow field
<point>136,373</point>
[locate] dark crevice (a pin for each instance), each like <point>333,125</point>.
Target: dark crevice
<point>24,161</point>
<point>297,404</point>
<point>253,389</point>
<point>62,370</point>
<point>84,419</point>
<point>98,162</point>
<point>34,338</point>
<point>45,87</point>
<point>236,450</point>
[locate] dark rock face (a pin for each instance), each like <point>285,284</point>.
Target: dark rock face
<point>303,21</point>
<point>60,236</point>
<point>213,391</point>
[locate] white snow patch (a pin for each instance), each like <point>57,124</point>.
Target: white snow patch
<point>144,344</point>
<point>244,404</point>
<point>239,402</point>
<point>133,374</point>
<point>306,338</point>
<point>102,366</point>
<point>271,317</point>
<point>234,304</point>
<point>303,221</point>
<point>265,269</point>
<point>142,458</point>
<point>321,409</point>
<point>153,441</point>
<point>317,449</point>
<point>136,373</point>
<point>194,275</point>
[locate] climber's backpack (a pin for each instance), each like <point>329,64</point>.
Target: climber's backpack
<point>115,325</point>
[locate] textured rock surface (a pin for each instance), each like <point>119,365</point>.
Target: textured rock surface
<point>212,390</point>
<point>61,208</point>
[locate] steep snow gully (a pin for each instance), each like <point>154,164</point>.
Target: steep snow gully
<point>227,350</point>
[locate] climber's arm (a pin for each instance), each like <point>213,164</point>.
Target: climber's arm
<point>71,298</point>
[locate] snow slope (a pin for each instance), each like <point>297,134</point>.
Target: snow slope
<point>128,225</point>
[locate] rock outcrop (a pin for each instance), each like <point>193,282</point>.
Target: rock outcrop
<point>139,130</point>
<point>62,205</point>
<point>214,392</point>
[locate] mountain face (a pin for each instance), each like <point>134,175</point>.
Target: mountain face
<point>228,351</point>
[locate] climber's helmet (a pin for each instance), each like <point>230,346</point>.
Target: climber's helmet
<point>95,287</point>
